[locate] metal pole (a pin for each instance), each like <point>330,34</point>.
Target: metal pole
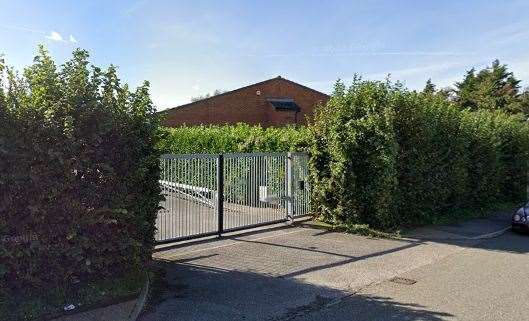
<point>290,214</point>
<point>220,193</point>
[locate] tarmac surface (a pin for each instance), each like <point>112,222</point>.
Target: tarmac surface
<point>296,273</point>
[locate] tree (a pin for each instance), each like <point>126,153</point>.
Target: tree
<point>524,101</point>
<point>429,88</point>
<point>208,95</point>
<point>492,88</point>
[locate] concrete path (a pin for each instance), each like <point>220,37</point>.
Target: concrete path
<point>286,273</point>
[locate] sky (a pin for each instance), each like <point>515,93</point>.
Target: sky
<point>190,48</point>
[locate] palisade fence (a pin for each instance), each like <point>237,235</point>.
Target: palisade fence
<point>211,194</point>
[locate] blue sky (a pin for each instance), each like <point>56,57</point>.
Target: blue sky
<point>190,48</point>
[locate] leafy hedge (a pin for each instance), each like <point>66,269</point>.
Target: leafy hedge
<point>388,157</point>
<point>78,174</point>
<point>233,138</point>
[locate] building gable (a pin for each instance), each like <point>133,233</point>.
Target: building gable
<point>273,102</point>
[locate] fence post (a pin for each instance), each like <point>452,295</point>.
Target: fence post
<point>290,196</point>
<point>220,193</point>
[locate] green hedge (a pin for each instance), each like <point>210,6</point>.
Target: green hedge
<point>388,157</point>
<point>78,174</point>
<point>233,138</point>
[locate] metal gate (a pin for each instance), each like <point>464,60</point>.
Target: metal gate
<point>212,194</point>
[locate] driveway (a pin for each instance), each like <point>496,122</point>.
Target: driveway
<point>286,273</point>
<point>487,282</point>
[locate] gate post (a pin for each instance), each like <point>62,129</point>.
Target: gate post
<point>290,196</point>
<point>220,193</point>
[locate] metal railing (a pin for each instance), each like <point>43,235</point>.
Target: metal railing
<point>299,183</point>
<point>212,194</point>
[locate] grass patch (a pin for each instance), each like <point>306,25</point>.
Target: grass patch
<point>359,229</point>
<point>365,230</point>
<point>50,304</point>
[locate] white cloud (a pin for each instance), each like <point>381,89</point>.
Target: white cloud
<point>55,36</point>
<point>196,87</point>
<point>189,32</point>
<point>25,29</point>
<point>347,53</point>
<point>414,71</point>
<point>134,7</point>
<point>443,74</point>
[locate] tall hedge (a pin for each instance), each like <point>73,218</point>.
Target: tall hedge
<point>78,174</point>
<point>388,157</point>
<point>233,138</point>
<point>353,156</point>
<point>432,156</point>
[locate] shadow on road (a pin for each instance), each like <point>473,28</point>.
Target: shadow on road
<point>468,234</point>
<point>195,292</point>
<point>345,259</point>
<point>298,275</point>
<point>512,242</point>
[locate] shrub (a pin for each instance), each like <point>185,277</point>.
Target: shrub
<point>233,138</point>
<point>353,156</point>
<point>79,174</point>
<point>431,157</point>
<point>388,157</point>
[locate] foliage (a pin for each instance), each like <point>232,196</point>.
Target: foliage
<point>353,156</point>
<point>388,157</point>
<point>240,138</point>
<point>49,303</point>
<point>208,95</point>
<point>79,174</point>
<point>237,138</point>
<point>431,156</point>
<point>429,88</point>
<point>492,88</point>
<point>359,229</point>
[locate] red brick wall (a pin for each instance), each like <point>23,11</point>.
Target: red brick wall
<point>244,105</point>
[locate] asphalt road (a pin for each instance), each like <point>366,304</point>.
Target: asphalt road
<point>293,273</point>
<point>489,281</point>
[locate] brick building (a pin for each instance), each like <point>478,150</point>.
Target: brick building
<point>273,102</point>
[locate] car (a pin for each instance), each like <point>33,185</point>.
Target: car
<point>520,219</point>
